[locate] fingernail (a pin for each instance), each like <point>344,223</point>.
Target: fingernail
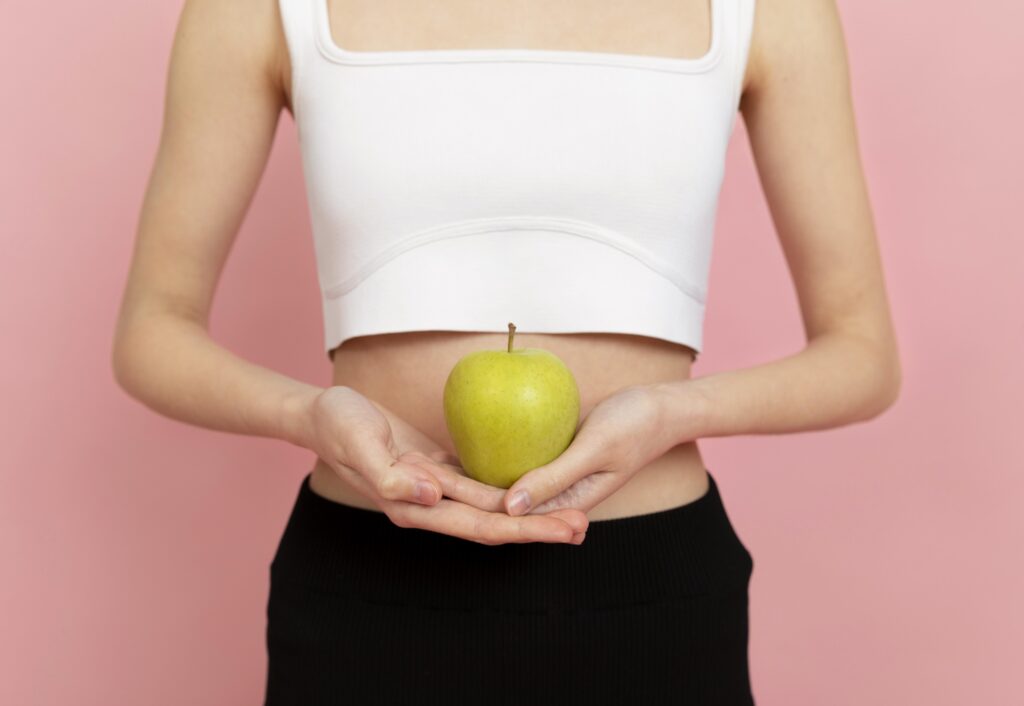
<point>520,503</point>
<point>425,492</point>
<point>578,539</point>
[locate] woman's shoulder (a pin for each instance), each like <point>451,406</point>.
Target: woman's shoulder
<point>781,30</point>
<point>247,33</point>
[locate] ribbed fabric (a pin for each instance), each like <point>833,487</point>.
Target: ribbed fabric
<point>650,609</point>
<point>508,168</point>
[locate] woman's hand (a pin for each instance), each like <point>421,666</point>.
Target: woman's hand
<point>621,434</point>
<point>420,489</point>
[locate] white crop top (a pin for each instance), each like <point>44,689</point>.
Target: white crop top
<point>564,191</point>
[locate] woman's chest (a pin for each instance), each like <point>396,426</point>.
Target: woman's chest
<point>670,28</point>
<point>673,29</point>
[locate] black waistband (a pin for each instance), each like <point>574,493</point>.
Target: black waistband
<point>665,555</point>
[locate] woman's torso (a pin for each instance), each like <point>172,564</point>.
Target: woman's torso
<point>406,372</point>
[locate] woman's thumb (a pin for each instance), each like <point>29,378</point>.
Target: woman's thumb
<point>393,479</point>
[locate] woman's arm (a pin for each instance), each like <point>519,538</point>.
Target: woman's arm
<point>207,167</point>
<point>799,115</point>
<point>224,95</point>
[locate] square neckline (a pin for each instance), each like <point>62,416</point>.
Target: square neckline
<point>333,51</point>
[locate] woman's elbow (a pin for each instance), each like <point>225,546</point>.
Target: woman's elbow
<point>888,382</point>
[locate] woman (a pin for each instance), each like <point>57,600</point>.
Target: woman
<point>556,165</point>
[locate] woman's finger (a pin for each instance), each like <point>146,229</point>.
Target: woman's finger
<point>445,457</point>
<point>458,486</point>
<point>574,518</point>
<point>585,494</point>
<point>472,523</point>
<point>543,483</point>
<point>467,522</point>
<point>390,477</point>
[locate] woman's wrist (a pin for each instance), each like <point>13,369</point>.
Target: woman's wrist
<point>684,409</point>
<point>296,421</point>
<point>837,379</point>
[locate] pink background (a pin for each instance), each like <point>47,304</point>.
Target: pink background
<point>888,559</point>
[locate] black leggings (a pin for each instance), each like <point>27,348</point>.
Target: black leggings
<point>650,609</point>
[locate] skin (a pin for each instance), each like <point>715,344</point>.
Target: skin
<point>229,81</point>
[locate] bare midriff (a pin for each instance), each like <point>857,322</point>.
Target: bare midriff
<point>406,373</point>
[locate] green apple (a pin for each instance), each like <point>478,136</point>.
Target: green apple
<point>510,411</point>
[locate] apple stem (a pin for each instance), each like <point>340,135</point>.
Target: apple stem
<point>511,333</point>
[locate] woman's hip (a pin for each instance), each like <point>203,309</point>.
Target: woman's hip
<point>648,604</point>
